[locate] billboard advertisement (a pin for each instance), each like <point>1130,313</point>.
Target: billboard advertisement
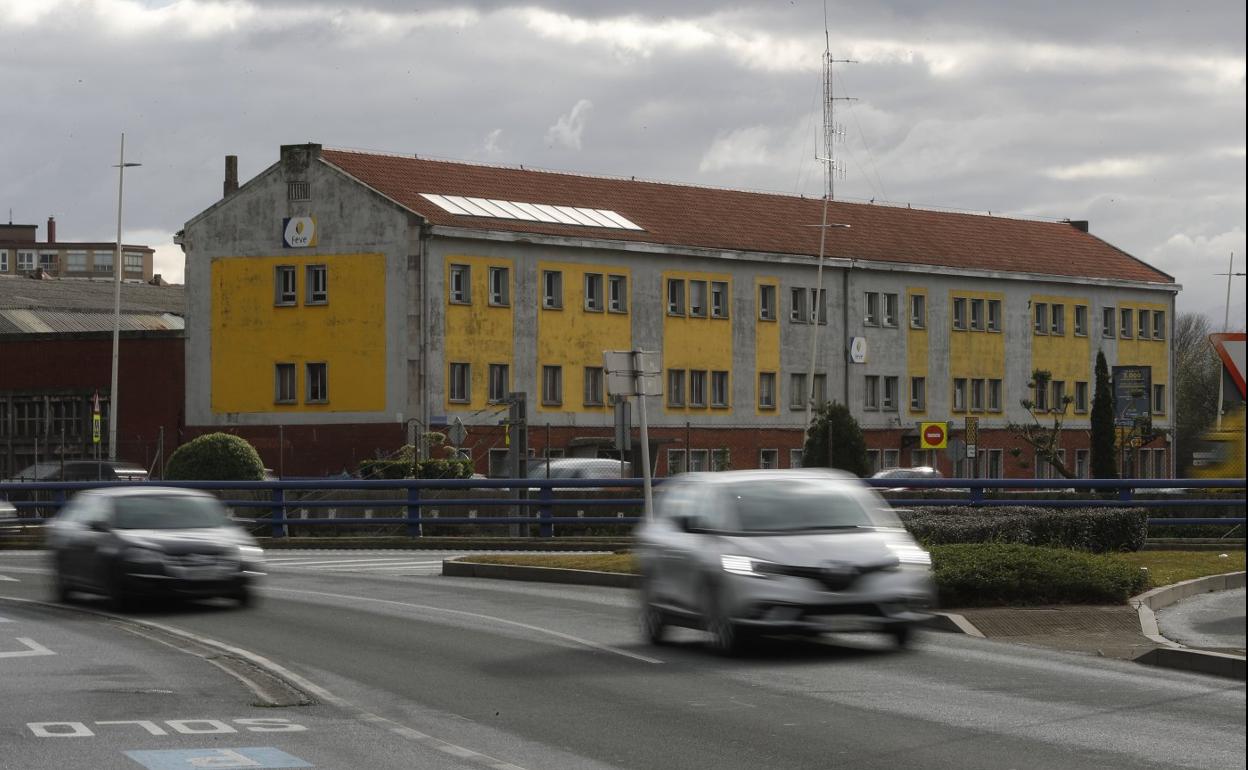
<point>1133,390</point>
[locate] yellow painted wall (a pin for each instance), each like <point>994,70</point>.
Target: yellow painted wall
<point>250,335</point>
<point>976,354</point>
<point>766,341</point>
<point>1150,352</point>
<point>574,338</point>
<point>1066,357</point>
<point>916,346</point>
<point>698,343</point>
<point>478,334</point>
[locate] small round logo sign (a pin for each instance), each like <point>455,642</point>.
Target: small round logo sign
<point>933,435</point>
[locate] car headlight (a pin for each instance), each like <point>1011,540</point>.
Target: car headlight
<point>908,553</point>
<point>745,565</point>
<point>136,555</point>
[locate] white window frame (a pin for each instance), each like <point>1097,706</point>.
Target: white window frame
<point>872,315</point>
<point>1126,323</point>
<point>768,459</point>
<point>552,385</point>
<point>316,283</point>
<point>888,398</point>
<point>871,392</point>
<point>799,302</point>
<point>766,302</point>
<point>1159,324</point>
<point>1057,319</point>
<point>1040,318</point>
<point>1143,326</point>
<point>676,296</point>
<point>994,315</point>
<point>889,310</point>
<point>617,294</point>
<point>676,387</point>
<point>978,388</point>
<point>699,460</point>
<point>500,383</point>
<point>1083,463</point>
<point>500,286</point>
<point>698,299</point>
<point>795,458</point>
<point>75,261</point>
<point>719,389</point>
<point>890,458</point>
<point>552,289</point>
<point>677,462</point>
<point>959,313</point>
<point>1081,320</point>
<point>918,394</point>
<point>459,383</point>
<point>918,311</point>
<point>1081,396</point>
<point>459,289</point>
<point>316,374</point>
<point>978,320</point>
<point>284,389</point>
<point>766,390</point>
<point>1159,398</point>
<point>1109,321</point>
<point>593,293</point>
<point>995,400</point>
<point>594,386</point>
<point>697,388</point>
<point>959,394</point>
<point>26,260</point>
<point>4,260</point>
<point>719,299</point>
<point>798,390</point>
<point>285,286</point>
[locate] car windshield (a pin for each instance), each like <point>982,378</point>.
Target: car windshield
<point>168,512</point>
<point>800,505</point>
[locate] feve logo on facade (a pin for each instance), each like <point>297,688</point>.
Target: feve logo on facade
<point>298,232</point>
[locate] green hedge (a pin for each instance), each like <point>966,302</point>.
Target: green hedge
<point>1099,530</point>
<point>385,469</point>
<point>215,457</point>
<point>987,574</point>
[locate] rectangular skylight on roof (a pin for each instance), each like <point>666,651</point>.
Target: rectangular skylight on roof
<point>534,212</point>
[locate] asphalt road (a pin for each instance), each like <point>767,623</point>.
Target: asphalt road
<point>1211,621</point>
<point>541,676</point>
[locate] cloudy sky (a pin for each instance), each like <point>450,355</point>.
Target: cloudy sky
<point>1129,114</point>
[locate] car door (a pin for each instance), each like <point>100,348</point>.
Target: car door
<point>98,544</point>
<point>658,541</point>
<point>68,538</point>
<point>694,549</point>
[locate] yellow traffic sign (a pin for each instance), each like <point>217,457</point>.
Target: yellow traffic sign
<point>933,435</point>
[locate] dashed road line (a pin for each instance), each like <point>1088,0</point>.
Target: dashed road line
<point>33,649</point>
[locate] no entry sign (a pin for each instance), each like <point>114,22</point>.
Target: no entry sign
<point>932,435</point>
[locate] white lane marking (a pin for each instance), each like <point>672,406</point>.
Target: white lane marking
<point>425,565</point>
<point>337,561</point>
<point>6,578</point>
<point>3,619</point>
<point>32,650</point>
<point>538,629</point>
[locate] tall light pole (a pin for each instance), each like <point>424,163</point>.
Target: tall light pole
<point>1226,327</point>
<point>113,401</point>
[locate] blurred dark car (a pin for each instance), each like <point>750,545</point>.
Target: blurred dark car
<point>133,542</point>
<point>9,525</point>
<point>809,551</point>
<point>69,470</point>
<point>901,475</point>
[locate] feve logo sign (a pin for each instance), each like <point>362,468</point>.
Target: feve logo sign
<point>933,435</point>
<point>298,232</point>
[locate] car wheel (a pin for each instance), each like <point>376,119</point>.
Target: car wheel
<point>727,638</point>
<point>902,633</point>
<point>653,623</point>
<point>245,597</point>
<point>118,596</point>
<point>60,586</point>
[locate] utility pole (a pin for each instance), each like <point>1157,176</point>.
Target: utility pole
<point>1226,327</point>
<point>518,447</point>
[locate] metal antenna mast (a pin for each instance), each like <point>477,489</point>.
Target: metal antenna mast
<point>830,169</point>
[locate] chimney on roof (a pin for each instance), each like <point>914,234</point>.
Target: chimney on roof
<point>231,176</point>
<point>51,230</point>
<point>1079,224</point>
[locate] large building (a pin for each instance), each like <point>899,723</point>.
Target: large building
<point>21,253</point>
<point>56,347</point>
<point>341,301</point>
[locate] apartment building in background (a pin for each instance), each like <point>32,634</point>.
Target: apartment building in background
<point>21,254</point>
<point>340,302</point>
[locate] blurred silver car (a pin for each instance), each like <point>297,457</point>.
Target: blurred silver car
<point>806,551</point>
<point>132,542</point>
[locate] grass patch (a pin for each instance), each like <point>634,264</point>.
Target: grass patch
<point>1167,567</point>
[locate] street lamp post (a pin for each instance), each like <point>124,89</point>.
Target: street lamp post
<point>113,401</point>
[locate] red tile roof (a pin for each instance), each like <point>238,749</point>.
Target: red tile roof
<point>680,215</point>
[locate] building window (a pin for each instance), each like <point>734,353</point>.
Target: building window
<point>992,468</point>
<point>1107,322</point>
<point>918,311</point>
<point>697,387</point>
<point>1057,323</point>
<point>797,391</point>
<point>977,395</point>
<point>48,260</point>
<point>675,461</point>
<point>284,383</point>
<point>873,461</point>
<point>66,417</point>
<point>101,261</point>
<point>1124,329</point>
<point>768,459</point>
<point>132,262</point>
<point>318,383</point>
<point>593,292</point>
<point>1143,327</point>
<point>593,386</point>
<point>721,460</point>
<point>617,294</point>
<point>873,309</point>
<point>977,315</point>
<point>4,268</point>
<point>284,292</point>
<point>316,278</point>
<point>1059,396</point>
<point>1081,320</point>
<point>918,394</point>
<point>797,307</point>
<point>766,390</point>
<point>28,415</point>
<point>889,402</point>
<point>871,392</point>
<point>1040,390</point>
<point>719,389</point>
<point>75,261</point>
<point>675,296</point>
<point>675,387</point>
<point>719,299</point>
<point>1041,319</point>
<point>890,310</point>
<point>1159,399</point>
<point>699,460</point>
<point>297,191</point>
<point>821,390</point>
<point>461,284</point>
<point>959,395</point>
<point>994,315</point>
<point>1081,396</point>
<point>1160,469</point>
<point>500,286</point>
<point>552,289</point>
<point>1159,324</point>
<point>500,383</point>
<point>819,302</point>
<point>1082,457</point>
<point>26,260</point>
<point>891,458</point>
<point>460,383</point>
<point>959,312</point>
<point>766,302</point>
<point>552,385</point>
<point>994,395</point>
<point>795,458</point>
<point>697,299</point>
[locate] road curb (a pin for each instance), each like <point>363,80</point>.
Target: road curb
<point>1170,654</point>
<point>461,568</point>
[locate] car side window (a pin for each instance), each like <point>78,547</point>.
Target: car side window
<point>707,510</point>
<point>96,511</point>
<point>673,502</point>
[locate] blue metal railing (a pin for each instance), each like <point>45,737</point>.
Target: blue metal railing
<point>538,510</point>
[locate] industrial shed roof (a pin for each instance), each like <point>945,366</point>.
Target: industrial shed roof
<point>52,306</point>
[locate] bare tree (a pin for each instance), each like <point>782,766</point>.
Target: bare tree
<point>1196,372</point>
<point>1043,436</point>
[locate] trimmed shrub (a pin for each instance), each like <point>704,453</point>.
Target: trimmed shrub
<point>449,468</point>
<point>215,457</point>
<point>385,469</point>
<point>1099,530</point>
<point>987,574</point>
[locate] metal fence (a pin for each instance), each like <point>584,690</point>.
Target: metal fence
<point>415,507</point>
